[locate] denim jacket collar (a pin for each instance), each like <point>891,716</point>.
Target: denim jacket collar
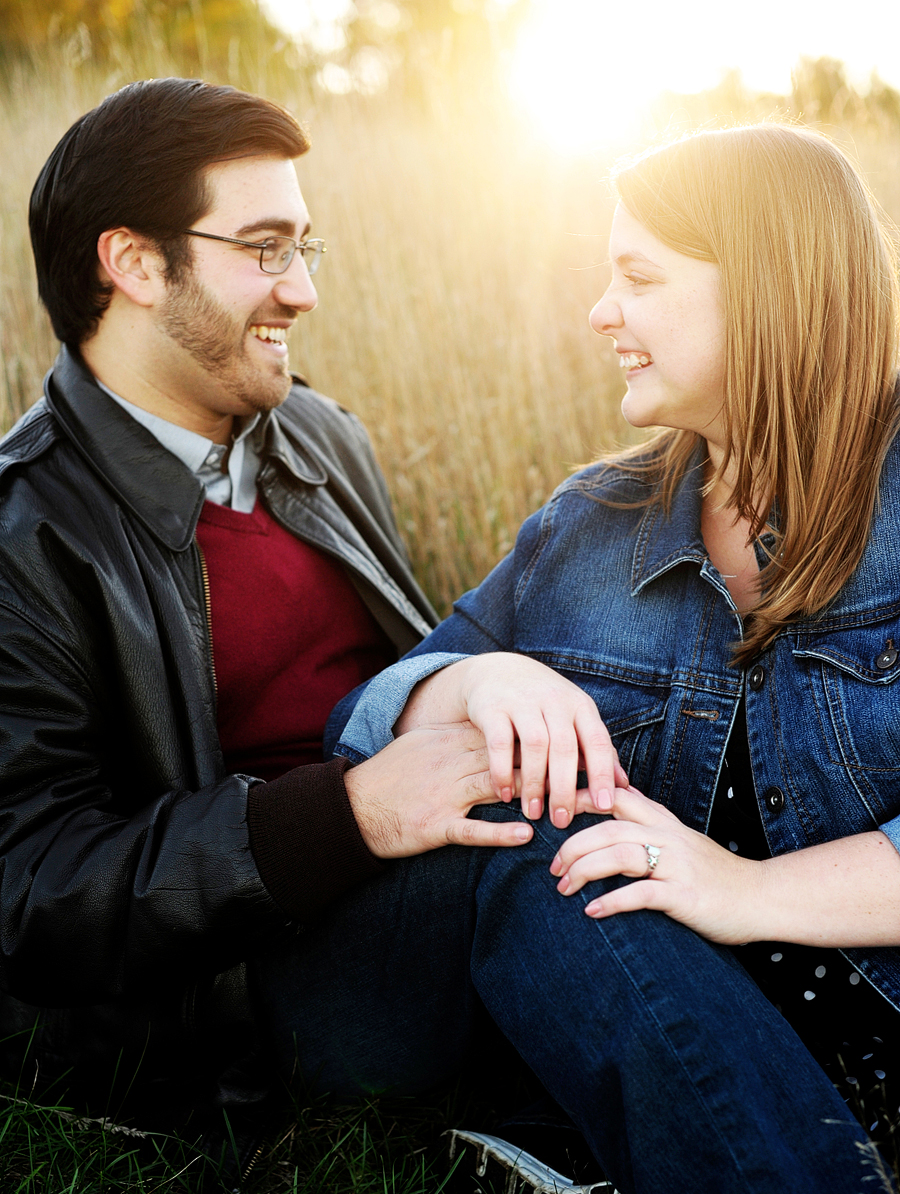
<point>664,541</point>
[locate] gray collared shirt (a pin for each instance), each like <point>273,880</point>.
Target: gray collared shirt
<point>235,487</point>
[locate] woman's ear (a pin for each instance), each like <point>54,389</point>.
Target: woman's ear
<point>132,264</point>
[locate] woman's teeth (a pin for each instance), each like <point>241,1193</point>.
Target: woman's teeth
<point>633,360</point>
<point>276,335</point>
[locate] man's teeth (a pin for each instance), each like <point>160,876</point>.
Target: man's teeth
<point>276,335</point>
<point>632,360</point>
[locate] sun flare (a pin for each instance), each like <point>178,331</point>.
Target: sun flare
<point>586,73</point>
<point>559,75</point>
<point>587,90</point>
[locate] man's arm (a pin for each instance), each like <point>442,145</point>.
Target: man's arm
<point>106,886</point>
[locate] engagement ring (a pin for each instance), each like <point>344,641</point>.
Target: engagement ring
<point>653,853</point>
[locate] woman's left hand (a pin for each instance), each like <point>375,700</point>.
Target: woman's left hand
<point>695,880</point>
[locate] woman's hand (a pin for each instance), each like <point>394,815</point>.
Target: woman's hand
<point>695,880</point>
<point>839,894</point>
<point>516,700</point>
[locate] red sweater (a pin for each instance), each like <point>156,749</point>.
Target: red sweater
<point>290,637</point>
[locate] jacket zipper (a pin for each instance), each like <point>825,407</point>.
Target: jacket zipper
<point>252,1162</point>
<point>204,572</point>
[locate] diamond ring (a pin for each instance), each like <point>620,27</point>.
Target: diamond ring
<point>653,853</point>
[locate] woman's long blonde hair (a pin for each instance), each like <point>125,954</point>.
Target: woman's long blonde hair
<point>810,291</point>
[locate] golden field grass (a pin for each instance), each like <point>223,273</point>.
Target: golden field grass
<point>463,258</point>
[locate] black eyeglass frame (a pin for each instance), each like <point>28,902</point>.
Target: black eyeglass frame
<point>316,245</point>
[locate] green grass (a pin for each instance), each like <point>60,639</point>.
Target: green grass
<point>379,1144</point>
<point>45,1147</point>
<point>376,1145</point>
<point>371,1147</point>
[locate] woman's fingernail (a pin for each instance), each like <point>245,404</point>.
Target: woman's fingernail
<point>563,885</point>
<point>604,800</point>
<point>556,865</point>
<point>523,833</point>
<point>506,795</point>
<point>594,908</point>
<point>561,817</point>
<point>534,809</point>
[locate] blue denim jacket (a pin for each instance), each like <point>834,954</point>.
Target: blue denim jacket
<point>626,603</point>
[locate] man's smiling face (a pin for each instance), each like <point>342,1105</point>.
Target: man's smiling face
<point>224,323</point>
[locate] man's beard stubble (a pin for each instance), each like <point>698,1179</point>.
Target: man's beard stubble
<point>197,323</point>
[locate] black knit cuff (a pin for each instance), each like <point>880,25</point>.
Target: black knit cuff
<point>305,839</point>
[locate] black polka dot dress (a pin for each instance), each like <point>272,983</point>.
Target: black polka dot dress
<point>848,1026</point>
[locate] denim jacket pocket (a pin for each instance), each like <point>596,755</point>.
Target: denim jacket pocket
<point>853,674</point>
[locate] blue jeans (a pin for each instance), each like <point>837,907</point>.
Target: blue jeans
<point>656,1042</point>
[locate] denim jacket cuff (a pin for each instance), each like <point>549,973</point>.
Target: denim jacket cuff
<point>371,725</point>
<point>891,830</point>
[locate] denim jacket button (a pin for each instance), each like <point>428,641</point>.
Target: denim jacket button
<point>774,799</point>
<point>887,658</point>
<point>757,677</point>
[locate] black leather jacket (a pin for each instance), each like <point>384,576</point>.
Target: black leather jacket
<point>127,881</point>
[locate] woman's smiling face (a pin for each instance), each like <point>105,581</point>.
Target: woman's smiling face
<point>665,312</point>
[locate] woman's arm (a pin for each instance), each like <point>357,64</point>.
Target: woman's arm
<point>843,893</point>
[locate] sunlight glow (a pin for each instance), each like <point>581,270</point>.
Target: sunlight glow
<point>587,81</point>
<point>586,73</point>
<point>560,75</point>
<point>319,22</point>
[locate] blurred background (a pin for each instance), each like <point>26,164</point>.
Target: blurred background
<point>458,174</point>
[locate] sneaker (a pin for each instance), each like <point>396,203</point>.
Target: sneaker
<point>498,1161</point>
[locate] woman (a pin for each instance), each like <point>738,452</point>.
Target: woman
<point>728,596</point>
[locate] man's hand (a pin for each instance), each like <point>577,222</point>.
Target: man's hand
<point>514,700</point>
<point>414,795</point>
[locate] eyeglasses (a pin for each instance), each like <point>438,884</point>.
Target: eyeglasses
<point>276,252</point>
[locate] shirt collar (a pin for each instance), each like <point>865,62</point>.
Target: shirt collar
<point>195,451</point>
<point>156,487</point>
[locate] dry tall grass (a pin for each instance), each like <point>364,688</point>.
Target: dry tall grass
<point>463,260</point>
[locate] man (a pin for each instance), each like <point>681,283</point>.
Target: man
<point>197,559</point>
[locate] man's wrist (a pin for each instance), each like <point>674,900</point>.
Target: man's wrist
<point>306,842</point>
<point>378,824</point>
